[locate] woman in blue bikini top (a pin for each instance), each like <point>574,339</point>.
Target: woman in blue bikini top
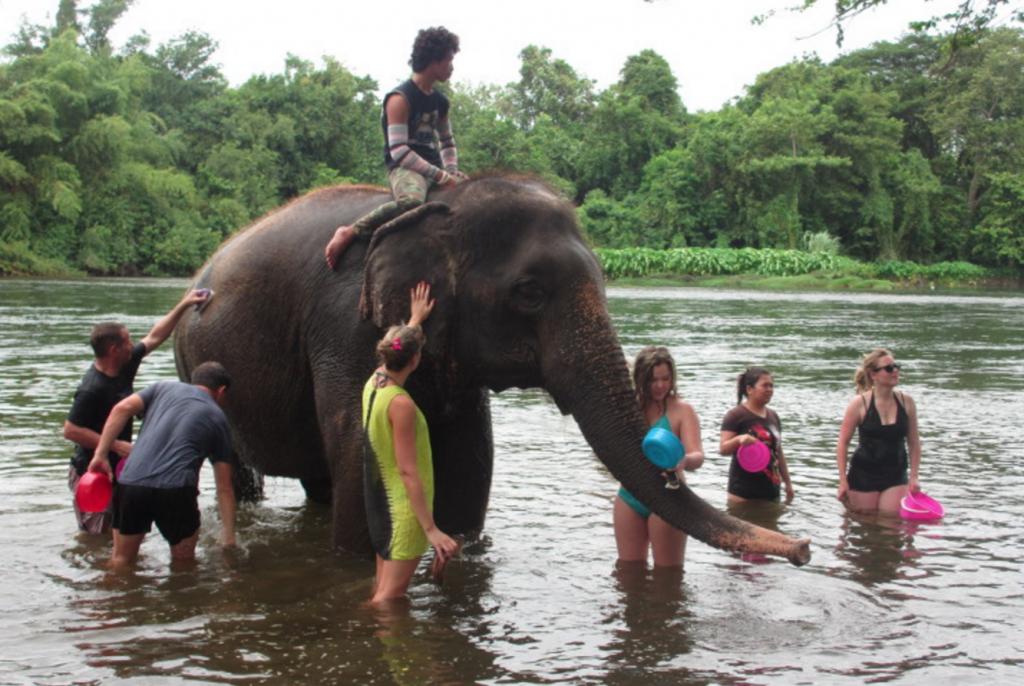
<point>637,529</point>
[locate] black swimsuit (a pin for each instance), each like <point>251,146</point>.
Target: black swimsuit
<point>880,461</point>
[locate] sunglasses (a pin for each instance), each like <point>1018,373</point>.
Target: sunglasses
<point>890,367</point>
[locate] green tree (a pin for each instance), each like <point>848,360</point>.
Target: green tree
<point>998,239</point>
<point>977,110</point>
<point>964,25</point>
<point>552,87</point>
<point>636,119</point>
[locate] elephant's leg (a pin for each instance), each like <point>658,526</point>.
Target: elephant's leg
<point>463,451</point>
<point>343,449</point>
<point>247,482</point>
<point>348,507</point>
<point>317,490</point>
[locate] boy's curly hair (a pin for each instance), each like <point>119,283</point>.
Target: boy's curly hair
<point>432,45</point>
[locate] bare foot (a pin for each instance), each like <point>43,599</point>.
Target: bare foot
<point>343,236</point>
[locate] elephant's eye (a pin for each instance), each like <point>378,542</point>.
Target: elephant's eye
<point>528,296</point>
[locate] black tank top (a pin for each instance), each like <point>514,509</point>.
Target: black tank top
<point>425,113</point>
<point>881,448</point>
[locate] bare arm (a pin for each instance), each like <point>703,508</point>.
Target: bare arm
<point>402,415</point>
<point>913,443</point>
<point>119,416</point>
<point>689,433</point>
<point>851,420</point>
<point>87,438</point>
<point>226,507</point>
<point>161,331</point>
<point>730,441</point>
<point>784,470</point>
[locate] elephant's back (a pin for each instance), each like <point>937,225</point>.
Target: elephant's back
<point>295,233</point>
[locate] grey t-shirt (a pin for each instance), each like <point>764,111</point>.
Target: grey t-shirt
<point>182,426</point>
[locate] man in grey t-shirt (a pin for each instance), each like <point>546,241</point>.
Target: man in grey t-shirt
<point>183,425</point>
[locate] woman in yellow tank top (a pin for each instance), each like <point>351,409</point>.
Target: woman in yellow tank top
<point>398,469</point>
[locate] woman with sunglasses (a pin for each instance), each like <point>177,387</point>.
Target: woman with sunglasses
<point>888,442</point>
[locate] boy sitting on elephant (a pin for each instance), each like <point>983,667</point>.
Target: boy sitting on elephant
<point>418,138</point>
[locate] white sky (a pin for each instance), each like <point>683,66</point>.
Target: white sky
<point>713,49</point>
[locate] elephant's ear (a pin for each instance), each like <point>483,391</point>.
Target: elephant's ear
<point>411,248</point>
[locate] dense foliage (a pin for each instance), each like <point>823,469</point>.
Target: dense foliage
<point>644,262</point>
<point>141,159</point>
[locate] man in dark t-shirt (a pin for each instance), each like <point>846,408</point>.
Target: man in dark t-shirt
<point>419,148</point>
<point>184,425</point>
<point>109,380</point>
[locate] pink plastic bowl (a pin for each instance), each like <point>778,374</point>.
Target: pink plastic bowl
<point>753,457</point>
<point>920,506</point>
<point>93,492</point>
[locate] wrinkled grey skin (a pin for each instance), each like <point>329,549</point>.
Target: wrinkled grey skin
<point>520,303</point>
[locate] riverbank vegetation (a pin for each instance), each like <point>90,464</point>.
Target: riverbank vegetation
<point>896,161</point>
<point>770,268</point>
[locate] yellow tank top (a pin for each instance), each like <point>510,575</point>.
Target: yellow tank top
<point>404,536</point>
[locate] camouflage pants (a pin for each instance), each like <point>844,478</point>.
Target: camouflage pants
<point>410,191</point>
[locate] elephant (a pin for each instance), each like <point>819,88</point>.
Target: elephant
<point>520,303</point>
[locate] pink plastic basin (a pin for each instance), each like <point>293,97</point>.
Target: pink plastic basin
<point>920,506</point>
<point>753,457</point>
<point>93,492</point>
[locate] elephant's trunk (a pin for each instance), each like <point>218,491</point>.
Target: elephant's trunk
<point>592,383</point>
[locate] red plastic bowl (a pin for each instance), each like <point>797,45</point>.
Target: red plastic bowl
<point>920,506</point>
<point>93,492</point>
<point>754,457</point>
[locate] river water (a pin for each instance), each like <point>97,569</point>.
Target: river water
<point>538,600</point>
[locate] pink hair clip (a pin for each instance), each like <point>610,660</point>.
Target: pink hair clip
<point>397,344</point>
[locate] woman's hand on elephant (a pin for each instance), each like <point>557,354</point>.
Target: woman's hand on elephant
<point>422,304</point>
<point>458,176</point>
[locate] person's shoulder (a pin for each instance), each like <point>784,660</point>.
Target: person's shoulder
<point>676,406</point>
<point>405,88</point>
<point>736,412</point>
<point>90,383</point>
<point>159,388</point>
<point>403,399</point>
<point>734,418</point>
<point>860,400</point>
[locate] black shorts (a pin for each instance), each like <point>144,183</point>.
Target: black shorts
<point>865,478</point>
<point>175,511</point>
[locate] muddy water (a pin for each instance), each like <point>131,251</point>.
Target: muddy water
<point>538,600</point>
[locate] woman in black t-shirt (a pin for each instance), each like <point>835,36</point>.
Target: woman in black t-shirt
<point>747,423</point>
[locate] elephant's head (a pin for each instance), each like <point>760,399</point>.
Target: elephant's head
<point>521,303</point>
